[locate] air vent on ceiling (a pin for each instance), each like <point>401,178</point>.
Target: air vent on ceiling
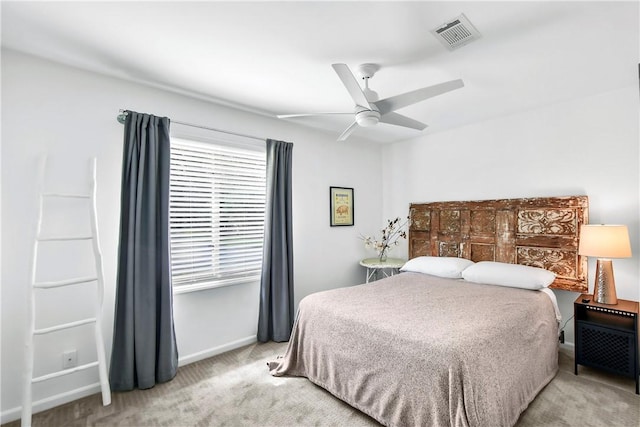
<point>456,33</point>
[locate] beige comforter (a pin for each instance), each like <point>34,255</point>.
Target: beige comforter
<point>418,350</point>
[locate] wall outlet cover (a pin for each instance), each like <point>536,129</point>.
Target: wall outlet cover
<point>69,359</point>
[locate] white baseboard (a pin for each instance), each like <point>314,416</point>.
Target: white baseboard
<point>69,396</point>
<point>51,402</point>
<point>205,354</point>
<point>568,345</point>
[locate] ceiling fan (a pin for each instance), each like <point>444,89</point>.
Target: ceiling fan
<point>369,110</point>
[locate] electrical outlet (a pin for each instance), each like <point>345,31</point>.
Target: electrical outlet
<point>69,359</point>
<point>561,337</point>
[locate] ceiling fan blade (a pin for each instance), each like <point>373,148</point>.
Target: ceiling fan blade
<point>286,116</point>
<point>396,102</point>
<point>400,120</point>
<point>348,131</point>
<point>350,82</point>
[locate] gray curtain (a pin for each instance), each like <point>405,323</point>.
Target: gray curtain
<point>276,316</point>
<point>144,344</point>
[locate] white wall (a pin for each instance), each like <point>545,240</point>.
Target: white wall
<point>71,114</point>
<point>586,146</point>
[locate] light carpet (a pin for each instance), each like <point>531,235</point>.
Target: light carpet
<point>235,389</point>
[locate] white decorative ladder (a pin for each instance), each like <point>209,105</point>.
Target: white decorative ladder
<point>34,286</point>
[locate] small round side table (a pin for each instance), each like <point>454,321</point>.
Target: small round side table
<point>387,268</point>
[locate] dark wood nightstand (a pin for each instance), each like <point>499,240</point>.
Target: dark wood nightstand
<point>607,336</point>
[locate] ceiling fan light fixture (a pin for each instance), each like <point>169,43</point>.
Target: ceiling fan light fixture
<point>367,118</point>
<point>369,111</point>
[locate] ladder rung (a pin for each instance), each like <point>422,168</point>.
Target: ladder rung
<point>67,195</point>
<point>64,326</point>
<point>67,282</point>
<point>53,238</point>
<point>65,372</point>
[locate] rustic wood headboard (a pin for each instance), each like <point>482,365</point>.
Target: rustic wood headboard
<point>541,232</point>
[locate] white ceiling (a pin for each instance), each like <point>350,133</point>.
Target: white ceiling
<point>275,57</point>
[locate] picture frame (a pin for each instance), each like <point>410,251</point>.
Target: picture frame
<point>341,206</point>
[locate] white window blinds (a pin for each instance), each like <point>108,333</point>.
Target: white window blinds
<point>217,202</point>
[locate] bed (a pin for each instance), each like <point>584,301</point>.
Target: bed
<point>429,347</point>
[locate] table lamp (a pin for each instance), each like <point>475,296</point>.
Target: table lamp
<point>604,242</point>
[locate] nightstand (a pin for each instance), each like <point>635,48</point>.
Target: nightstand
<point>386,268</point>
<point>607,336</point>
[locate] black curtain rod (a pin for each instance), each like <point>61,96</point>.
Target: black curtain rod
<point>123,115</point>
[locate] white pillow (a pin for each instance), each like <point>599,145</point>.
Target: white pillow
<point>512,275</point>
<point>449,267</point>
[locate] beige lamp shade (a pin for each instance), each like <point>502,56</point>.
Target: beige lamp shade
<point>604,241</point>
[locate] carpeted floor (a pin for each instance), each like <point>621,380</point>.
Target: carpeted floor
<point>235,389</point>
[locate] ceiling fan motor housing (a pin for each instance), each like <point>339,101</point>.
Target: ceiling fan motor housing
<point>367,118</point>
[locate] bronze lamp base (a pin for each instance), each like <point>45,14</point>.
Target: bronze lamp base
<point>604,290</point>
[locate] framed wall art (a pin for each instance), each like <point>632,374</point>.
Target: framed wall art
<point>341,205</point>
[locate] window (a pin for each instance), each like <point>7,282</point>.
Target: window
<point>217,203</point>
